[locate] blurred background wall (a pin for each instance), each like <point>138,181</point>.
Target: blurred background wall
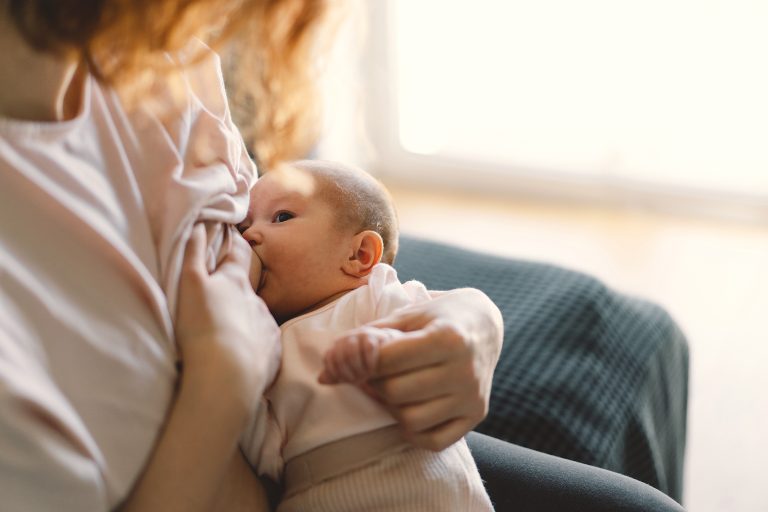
<point>625,139</point>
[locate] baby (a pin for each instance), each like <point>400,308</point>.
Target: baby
<point>326,235</point>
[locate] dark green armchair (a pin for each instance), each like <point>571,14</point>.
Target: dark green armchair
<point>586,373</point>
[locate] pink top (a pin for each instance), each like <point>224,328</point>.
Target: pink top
<point>301,414</point>
<point>94,216</point>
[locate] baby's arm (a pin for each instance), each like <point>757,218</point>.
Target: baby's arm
<point>354,357</point>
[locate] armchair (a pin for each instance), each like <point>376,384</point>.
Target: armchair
<point>586,373</point>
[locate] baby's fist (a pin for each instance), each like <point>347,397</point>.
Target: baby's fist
<point>354,357</point>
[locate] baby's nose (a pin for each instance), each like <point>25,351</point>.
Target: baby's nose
<point>253,235</point>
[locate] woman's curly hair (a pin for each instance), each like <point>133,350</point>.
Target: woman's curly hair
<point>126,42</point>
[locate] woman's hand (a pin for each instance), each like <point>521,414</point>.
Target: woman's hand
<point>228,343</point>
<point>435,377</point>
<point>225,333</point>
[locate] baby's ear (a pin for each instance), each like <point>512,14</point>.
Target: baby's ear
<point>366,249</point>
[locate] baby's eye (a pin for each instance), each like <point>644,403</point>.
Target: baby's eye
<point>282,216</point>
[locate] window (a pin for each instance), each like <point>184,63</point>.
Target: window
<point>653,98</point>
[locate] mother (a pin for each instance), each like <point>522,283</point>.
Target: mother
<point>115,142</point>
<point>116,139</point>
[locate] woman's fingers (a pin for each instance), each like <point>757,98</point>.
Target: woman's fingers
<point>434,406</point>
<point>239,251</point>
<point>191,282</point>
<point>194,252</point>
<point>436,343</point>
<point>416,386</point>
<point>440,437</point>
<point>239,262</point>
<point>408,320</point>
<point>422,416</point>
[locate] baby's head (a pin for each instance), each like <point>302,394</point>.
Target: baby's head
<point>318,229</point>
<point>360,201</point>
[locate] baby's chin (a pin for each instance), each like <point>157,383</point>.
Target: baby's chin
<point>278,314</point>
<point>281,310</point>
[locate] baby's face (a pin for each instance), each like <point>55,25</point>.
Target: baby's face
<point>295,235</point>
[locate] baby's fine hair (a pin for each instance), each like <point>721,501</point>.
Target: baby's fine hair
<point>361,201</point>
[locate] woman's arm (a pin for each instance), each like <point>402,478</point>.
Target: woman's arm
<point>197,455</point>
<point>241,491</point>
<point>226,337</point>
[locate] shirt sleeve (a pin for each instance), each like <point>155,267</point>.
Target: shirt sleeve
<point>48,460</point>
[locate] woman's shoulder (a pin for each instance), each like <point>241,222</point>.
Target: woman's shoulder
<point>203,78</point>
<point>189,89</point>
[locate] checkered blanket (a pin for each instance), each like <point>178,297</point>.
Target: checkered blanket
<point>586,373</point>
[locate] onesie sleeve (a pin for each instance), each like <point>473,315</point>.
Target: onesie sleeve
<point>48,460</point>
<point>416,291</point>
<point>389,294</point>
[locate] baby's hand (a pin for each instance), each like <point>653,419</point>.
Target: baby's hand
<point>355,356</point>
